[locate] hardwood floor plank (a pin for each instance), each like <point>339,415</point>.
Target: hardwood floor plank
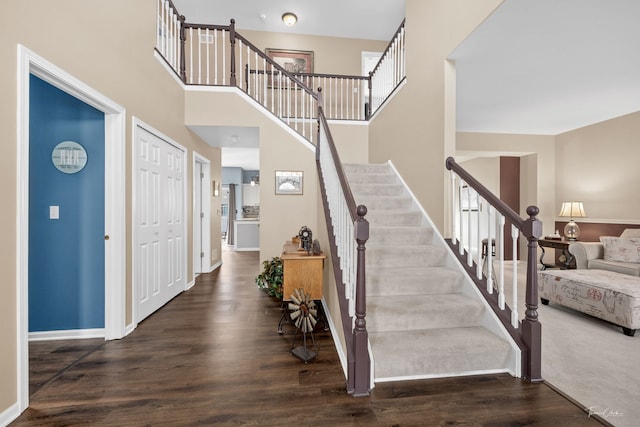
<point>212,356</point>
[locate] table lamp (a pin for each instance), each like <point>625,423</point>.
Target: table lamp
<point>572,210</point>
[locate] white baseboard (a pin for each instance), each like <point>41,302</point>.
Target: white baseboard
<point>71,334</point>
<point>215,266</point>
<point>341,354</point>
<point>190,284</point>
<point>9,414</point>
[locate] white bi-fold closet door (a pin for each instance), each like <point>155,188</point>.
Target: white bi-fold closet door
<point>159,235</point>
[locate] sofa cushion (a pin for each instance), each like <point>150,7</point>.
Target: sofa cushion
<point>629,268</point>
<point>621,249</point>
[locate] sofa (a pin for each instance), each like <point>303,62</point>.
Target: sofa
<point>620,254</point>
<point>605,283</point>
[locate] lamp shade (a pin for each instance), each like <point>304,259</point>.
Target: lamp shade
<point>572,210</point>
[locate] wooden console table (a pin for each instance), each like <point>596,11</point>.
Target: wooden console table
<point>562,245</point>
<point>301,270</point>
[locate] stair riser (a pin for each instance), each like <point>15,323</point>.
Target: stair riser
<point>418,256</point>
<point>402,283</point>
<point>419,236</point>
<point>422,316</point>
<point>438,353</point>
<point>350,168</point>
<point>374,203</point>
<point>377,190</point>
<point>371,178</point>
<point>394,218</point>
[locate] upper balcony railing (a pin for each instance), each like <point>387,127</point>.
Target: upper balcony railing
<point>216,55</point>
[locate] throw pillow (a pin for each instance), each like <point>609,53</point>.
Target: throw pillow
<point>621,249</point>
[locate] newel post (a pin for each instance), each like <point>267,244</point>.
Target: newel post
<point>360,335</point>
<point>183,40</point>
<point>232,38</point>
<point>531,327</point>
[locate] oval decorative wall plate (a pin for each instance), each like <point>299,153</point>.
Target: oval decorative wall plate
<point>69,157</point>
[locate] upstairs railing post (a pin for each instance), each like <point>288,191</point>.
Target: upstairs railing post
<point>531,327</point>
<point>360,334</point>
<point>232,39</point>
<point>183,40</point>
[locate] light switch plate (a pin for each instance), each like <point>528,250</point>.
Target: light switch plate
<point>54,212</point>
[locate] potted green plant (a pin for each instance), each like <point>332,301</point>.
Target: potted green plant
<point>271,277</point>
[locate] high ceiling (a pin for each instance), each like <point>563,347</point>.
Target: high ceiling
<point>549,66</point>
<point>534,67</point>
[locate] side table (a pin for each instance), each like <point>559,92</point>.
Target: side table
<point>566,260</point>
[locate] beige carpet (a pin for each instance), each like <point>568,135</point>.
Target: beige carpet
<point>590,360</point>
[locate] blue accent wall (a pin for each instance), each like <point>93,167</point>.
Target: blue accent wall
<point>66,255</point>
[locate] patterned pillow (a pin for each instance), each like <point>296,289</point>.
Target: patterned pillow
<point>621,249</point>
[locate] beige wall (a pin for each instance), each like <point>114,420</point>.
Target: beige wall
<point>486,170</point>
<point>352,141</point>
<point>410,131</point>
<point>281,217</point>
<point>109,47</point>
<point>598,165</point>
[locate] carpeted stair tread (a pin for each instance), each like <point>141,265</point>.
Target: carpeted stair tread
<point>377,203</point>
<point>405,255</point>
<point>350,168</point>
<point>398,234</point>
<point>412,312</point>
<point>395,217</point>
<point>437,352</point>
<point>389,281</point>
<point>377,189</point>
<point>371,178</point>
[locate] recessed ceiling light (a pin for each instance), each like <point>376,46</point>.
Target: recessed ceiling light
<point>289,19</point>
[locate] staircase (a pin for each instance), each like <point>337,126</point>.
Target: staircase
<point>424,316</point>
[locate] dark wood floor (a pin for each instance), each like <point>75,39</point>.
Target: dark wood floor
<point>212,356</point>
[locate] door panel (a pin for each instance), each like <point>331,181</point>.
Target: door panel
<point>159,223</point>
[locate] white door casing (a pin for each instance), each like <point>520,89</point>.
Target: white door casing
<point>202,193</point>
<point>159,255</point>
<point>115,203</point>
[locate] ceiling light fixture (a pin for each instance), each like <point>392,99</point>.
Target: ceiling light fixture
<point>289,19</point>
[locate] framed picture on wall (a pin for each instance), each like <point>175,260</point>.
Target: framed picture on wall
<point>293,61</point>
<point>289,182</point>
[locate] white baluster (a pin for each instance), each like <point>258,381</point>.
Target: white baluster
<point>514,308</point>
<point>452,177</point>
<point>460,219</point>
<point>469,256</point>
<point>500,242</point>
<point>216,70</point>
<point>490,246</point>
<point>224,58</point>
<point>191,55</point>
<point>478,239</point>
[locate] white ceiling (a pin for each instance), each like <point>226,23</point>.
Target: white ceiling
<point>549,66</point>
<point>533,67</point>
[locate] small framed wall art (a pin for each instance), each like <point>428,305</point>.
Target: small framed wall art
<point>289,182</point>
